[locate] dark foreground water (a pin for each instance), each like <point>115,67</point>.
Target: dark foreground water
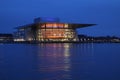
<point>61,61</point>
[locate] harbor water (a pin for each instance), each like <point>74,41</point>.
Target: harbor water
<point>60,61</point>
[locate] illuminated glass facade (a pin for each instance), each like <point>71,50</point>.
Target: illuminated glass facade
<point>56,32</point>
<point>48,31</point>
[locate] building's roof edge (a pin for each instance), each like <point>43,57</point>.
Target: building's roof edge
<point>76,25</point>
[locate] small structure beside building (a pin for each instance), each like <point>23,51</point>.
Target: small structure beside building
<point>6,37</point>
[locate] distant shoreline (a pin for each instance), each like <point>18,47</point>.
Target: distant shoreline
<point>28,42</point>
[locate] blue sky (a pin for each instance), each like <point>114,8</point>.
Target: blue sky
<point>105,13</point>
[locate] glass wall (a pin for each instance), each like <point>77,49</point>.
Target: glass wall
<point>48,32</point>
<point>56,35</point>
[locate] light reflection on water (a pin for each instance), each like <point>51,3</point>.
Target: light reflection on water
<point>54,61</point>
<point>46,61</point>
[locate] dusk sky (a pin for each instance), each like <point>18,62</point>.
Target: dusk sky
<point>104,13</point>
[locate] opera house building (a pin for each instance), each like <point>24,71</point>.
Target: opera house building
<point>48,30</point>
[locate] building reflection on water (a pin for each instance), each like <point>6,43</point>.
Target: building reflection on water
<point>64,61</point>
<point>88,61</point>
<point>54,61</point>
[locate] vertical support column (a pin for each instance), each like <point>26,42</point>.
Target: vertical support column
<point>75,34</point>
<point>40,34</point>
<point>45,31</point>
<point>24,34</point>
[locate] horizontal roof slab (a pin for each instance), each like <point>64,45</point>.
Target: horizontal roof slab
<point>70,25</point>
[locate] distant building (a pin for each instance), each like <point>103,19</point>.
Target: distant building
<point>6,37</point>
<point>48,30</point>
<point>85,38</point>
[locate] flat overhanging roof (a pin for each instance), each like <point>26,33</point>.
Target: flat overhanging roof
<point>74,26</point>
<point>70,25</point>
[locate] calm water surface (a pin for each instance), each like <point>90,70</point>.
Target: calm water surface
<point>61,61</point>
